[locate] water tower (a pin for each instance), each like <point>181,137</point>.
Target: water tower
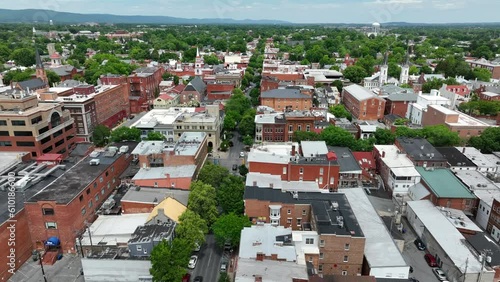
<point>376,28</point>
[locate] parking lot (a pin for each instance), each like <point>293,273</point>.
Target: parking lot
<point>66,269</point>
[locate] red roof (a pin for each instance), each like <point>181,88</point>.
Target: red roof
<point>199,109</point>
<point>365,159</point>
<point>285,76</point>
<point>49,158</point>
<point>55,56</point>
<point>165,97</point>
<point>331,156</point>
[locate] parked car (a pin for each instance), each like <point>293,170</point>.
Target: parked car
<point>439,274</point>
<point>197,247</point>
<point>223,266</point>
<point>420,245</point>
<point>198,279</point>
<point>192,262</point>
<point>186,277</point>
<point>235,167</point>
<point>431,260</point>
<point>242,154</point>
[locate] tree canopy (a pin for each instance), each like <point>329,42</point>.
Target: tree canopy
<point>124,133</point>
<point>488,142</point>
<point>202,200</point>
<point>100,135</point>
<point>227,229</point>
<point>170,259</point>
<point>191,227</point>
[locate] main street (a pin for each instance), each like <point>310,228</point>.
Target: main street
<point>232,156</point>
<point>209,259</point>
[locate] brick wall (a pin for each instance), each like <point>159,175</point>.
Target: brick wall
<point>334,250</point>
<point>166,182</point>
<point>133,207</point>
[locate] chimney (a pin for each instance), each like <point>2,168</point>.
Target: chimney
<point>255,183</point>
<point>258,278</point>
<point>463,150</point>
<point>383,154</point>
<point>293,150</point>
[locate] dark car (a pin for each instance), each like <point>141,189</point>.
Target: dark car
<point>198,279</point>
<point>420,245</point>
<point>186,278</point>
<point>235,167</point>
<point>431,260</point>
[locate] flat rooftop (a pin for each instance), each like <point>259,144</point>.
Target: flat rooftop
<point>161,172</point>
<point>380,248</point>
<point>321,203</point>
<point>149,195</point>
<point>269,270</point>
<point>393,158</point>
<point>444,184</point>
<point>313,148</point>
<point>264,180</point>
<point>477,157</point>
<point>10,159</point>
<point>455,157</point>
<point>446,235</point>
<point>419,149</point>
<point>111,230</point>
<point>67,186</point>
<point>261,238</point>
<point>346,160</point>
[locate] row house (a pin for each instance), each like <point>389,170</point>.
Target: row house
<point>280,127</point>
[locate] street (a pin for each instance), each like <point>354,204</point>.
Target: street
<point>209,258</point>
<point>232,156</point>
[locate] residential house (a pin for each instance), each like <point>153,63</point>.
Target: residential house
<point>144,199</point>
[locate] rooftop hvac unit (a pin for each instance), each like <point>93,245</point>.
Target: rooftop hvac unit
<point>94,162</point>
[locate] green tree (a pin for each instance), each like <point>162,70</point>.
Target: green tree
<point>227,229</point>
<point>299,136</point>
<point>441,136</point>
<point>52,77</point>
<point>155,136</point>
<point>211,60</point>
<point>192,228</point>
<point>339,111</point>
<point>189,55</point>
<point>212,174</point>
<point>124,133</point>
<point>432,84</point>
<point>394,70</point>
<point>482,74</point>
<point>488,142</point>
<point>336,136</point>
<point>413,70</point>
<point>17,75</point>
<point>230,194</point>
<point>243,170</point>
<point>426,70</point>
<point>23,57</point>
<point>247,124</point>
<point>355,73</point>
<point>338,84</point>
<point>384,136</point>
<point>169,260</point>
<point>203,202</point>
<point>100,136</point>
<point>224,277</point>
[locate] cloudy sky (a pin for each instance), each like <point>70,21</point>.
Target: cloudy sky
<point>312,11</point>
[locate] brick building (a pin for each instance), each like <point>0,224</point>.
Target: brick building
<point>340,241</point>
<point>465,125</point>
<point>219,91</point>
<point>421,152</point>
<point>64,207</point>
<point>144,83</point>
<point>280,127</point>
<point>494,220</point>
<point>489,96</point>
<point>363,104</point>
<point>447,190</point>
<point>38,128</point>
<point>194,91</point>
<point>315,164</point>
<point>398,103</point>
<point>287,99</point>
<point>492,66</point>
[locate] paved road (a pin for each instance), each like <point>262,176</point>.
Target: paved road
<point>65,270</point>
<point>232,156</point>
<point>209,258</point>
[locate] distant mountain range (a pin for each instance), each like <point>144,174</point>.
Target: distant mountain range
<point>36,15</point>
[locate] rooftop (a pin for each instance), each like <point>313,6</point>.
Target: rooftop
<point>359,92</point>
<point>444,184</point>
<point>113,230</point>
<point>290,93</point>
<point>380,249</point>
<point>419,149</point>
<point>346,160</point>
<point>393,158</point>
<point>152,232</point>
<point>269,270</point>
<point>171,209</point>
<point>268,118</point>
<point>313,148</point>
<point>446,235</point>
<point>326,216</point>
<point>478,158</point>
<point>154,195</point>
<point>67,186</point>
<point>454,157</point>
<point>187,145</point>
<point>162,172</point>
<point>263,238</point>
<point>263,180</point>
<point>481,241</point>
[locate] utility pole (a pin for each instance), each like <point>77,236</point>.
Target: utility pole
<point>466,265</point>
<point>484,258</point>
<point>41,265</point>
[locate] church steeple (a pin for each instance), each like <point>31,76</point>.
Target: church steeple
<point>198,65</point>
<point>40,71</point>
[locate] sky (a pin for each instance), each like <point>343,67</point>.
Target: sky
<point>311,11</point>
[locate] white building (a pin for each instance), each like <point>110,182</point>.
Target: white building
<point>446,243</point>
<point>485,164</point>
<point>381,252</point>
<point>416,110</point>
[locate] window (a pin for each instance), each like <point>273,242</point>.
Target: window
<point>48,211</point>
<point>4,133</point>
<point>346,258</point>
<point>84,211</point>
<point>36,120</point>
<point>299,127</point>
<point>344,272</point>
<point>309,241</point>
<point>346,247</point>
<point>304,212</point>
<point>97,197</point>
<point>299,221</point>
<point>301,170</point>
<point>308,128</point>
<point>320,171</point>
<point>90,204</point>
<point>290,128</point>
<point>88,191</point>
<point>81,198</point>
<point>289,211</point>
<point>101,179</point>
<point>23,133</point>
<point>5,144</point>
<point>50,225</point>
<point>321,243</point>
<point>102,191</point>
<point>284,170</point>
<point>310,259</point>
<point>139,248</point>
<point>95,184</point>
<point>289,220</point>
<point>3,122</point>
<point>320,268</point>
<point>320,180</point>
<point>321,255</point>
<point>18,123</point>
<point>25,144</point>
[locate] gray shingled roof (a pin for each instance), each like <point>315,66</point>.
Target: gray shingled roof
<point>34,83</point>
<point>285,93</point>
<point>411,97</point>
<point>196,84</point>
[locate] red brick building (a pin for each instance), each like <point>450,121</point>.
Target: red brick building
<point>489,96</point>
<point>281,127</point>
<point>219,91</point>
<point>287,99</point>
<point>29,126</point>
<point>446,190</point>
<point>341,242</point>
<point>144,83</point>
<point>460,90</point>
<point>363,104</point>
<point>194,91</point>
<point>398,103</point>
<point>485,64</point>
<point>64,207</point>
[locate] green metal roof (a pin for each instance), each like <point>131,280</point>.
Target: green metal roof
<point>444,184</point>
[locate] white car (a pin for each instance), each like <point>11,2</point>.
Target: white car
<point>197,247</point>
<point>439,274</point>
<point>242,154</point>
<point>192,262</point>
